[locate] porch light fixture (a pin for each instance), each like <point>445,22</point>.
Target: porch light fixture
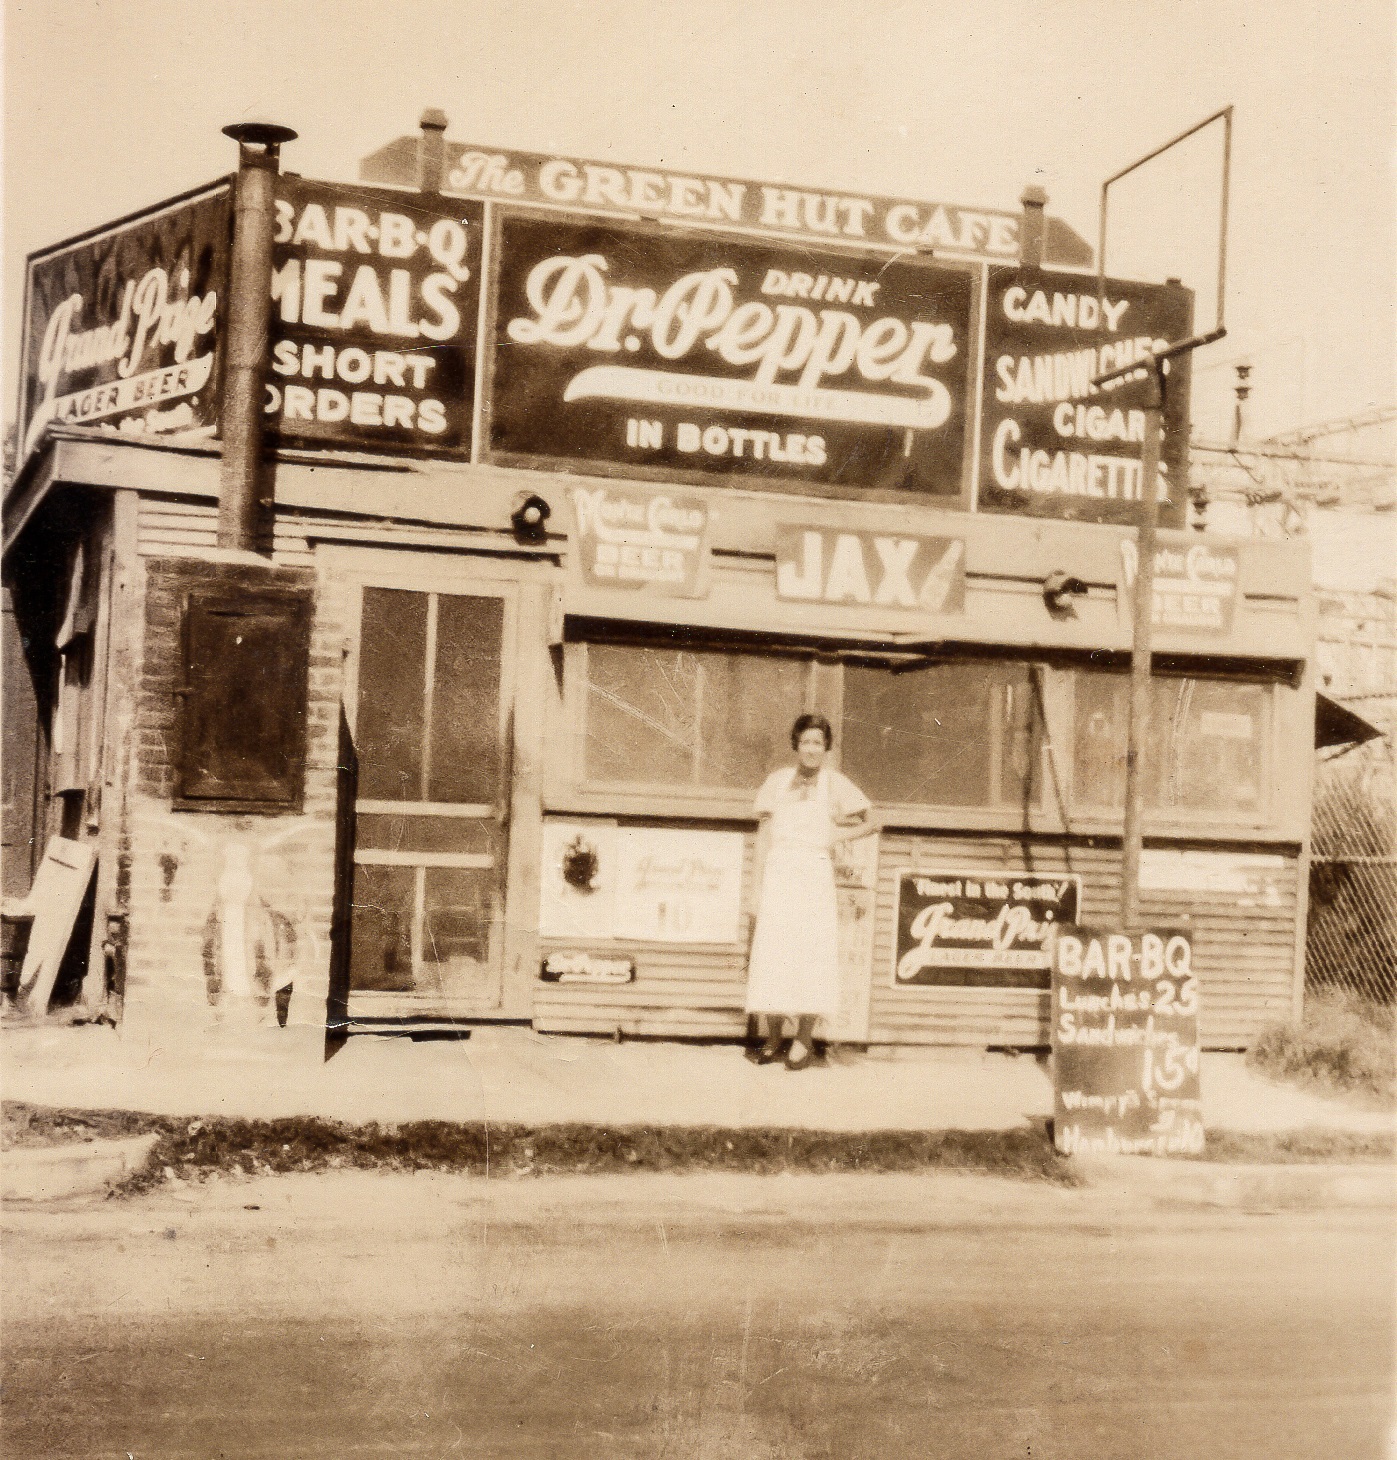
<point>530,518</point>
<point>1059,589</point>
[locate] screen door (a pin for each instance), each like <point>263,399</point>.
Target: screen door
<point>430,826</point>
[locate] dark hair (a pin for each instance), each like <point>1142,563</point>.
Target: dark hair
<point>811,722</point>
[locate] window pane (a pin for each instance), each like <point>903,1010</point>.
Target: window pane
<point>1206,748</point>
<point>392,660</point>
<point>1216,740</point>
<point>749,704</point>
<point>642,713</point>
<point>381,934</point>
<point>465,761</point>
<point>679,717</point>
<point>1100,718</point>
<point>394,832</point>
<point>459,921</point>
<point>945,735</point>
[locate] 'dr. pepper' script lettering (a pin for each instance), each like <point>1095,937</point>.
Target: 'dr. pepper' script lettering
<point>575,306</point>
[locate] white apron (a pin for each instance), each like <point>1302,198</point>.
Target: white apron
<point>794,967</point>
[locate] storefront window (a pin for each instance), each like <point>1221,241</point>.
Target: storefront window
<point>942,735</point>
<point>684,717</point>
<point>1206,748</point>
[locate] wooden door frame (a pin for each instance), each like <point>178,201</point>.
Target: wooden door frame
<point>524,588</point>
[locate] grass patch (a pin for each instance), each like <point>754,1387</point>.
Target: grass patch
<point>195,1149</point>
<point>34,1125</point>
<point>1344,1045</point>
<point>1286,1148</point>
<point>192,1149</point>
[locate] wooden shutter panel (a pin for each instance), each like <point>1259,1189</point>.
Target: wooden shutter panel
<point>242,721</point>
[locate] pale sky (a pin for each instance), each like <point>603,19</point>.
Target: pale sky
<point>113,104</point>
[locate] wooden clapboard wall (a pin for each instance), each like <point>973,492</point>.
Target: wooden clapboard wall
<point>1245,956</point>
<point>174,526</point>
<point>679,990</point>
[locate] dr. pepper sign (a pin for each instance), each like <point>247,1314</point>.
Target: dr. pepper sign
<point>664,354</point>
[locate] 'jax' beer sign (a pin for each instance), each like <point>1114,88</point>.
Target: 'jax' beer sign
<point>122,327</point>
<point>880,569</point>
<point>710,356</point>
<point>979,930</point>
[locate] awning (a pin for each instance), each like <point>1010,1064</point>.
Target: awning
<point>1336,724</point>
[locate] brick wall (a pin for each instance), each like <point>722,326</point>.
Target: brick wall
<point>187,868</point>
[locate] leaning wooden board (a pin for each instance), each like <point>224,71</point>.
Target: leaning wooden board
<point>53,902</point>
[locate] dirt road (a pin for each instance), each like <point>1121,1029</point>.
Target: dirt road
<point>686,1317</point>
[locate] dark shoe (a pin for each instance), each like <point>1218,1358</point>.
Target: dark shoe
<point>803,1062</point>
<point>771,1051</point>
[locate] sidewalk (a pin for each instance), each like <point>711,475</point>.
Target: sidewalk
<point>512,1075</point>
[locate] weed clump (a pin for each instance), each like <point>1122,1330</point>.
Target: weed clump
<point>1344,1045</point>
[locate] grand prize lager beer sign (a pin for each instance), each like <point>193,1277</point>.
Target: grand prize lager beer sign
<point>1125,1043</point>
<point>123,325</point>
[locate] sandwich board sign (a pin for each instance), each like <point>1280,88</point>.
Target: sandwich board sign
<point>1125,1043</point>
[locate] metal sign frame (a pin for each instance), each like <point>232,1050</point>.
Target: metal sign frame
<point>1138,734</point>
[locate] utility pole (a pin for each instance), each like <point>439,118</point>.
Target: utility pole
<point>1142,648</point>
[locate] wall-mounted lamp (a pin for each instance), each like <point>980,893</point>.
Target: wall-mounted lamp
<point>1059,589</point>
<point>530,517</point>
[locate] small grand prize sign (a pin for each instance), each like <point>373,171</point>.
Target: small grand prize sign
<point>1125,1043</point>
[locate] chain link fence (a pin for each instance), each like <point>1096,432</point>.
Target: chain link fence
<point>1352,938</point>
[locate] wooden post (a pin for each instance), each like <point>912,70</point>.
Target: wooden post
<point>1138,734</point>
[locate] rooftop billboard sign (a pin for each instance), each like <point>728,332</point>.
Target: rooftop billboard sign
<point>123,325</point>
<point>375,301</point>
<point>702,354</point>
<point>864,220</point>
<point>1052,444</point>
<point>556,339</point>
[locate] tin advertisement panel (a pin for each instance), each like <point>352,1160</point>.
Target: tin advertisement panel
<point>704,356</point>
<point>653,541</point>
<point>1051,443</point>
<point>881,569</point>
<point>972,930</point>
<point>1196,585</point>
<point>375,301</point>
<point>123,328</point>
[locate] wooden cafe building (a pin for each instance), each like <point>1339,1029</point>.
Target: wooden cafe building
<point>409,583</point>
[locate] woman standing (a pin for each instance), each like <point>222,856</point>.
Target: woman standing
<point>805,810</point>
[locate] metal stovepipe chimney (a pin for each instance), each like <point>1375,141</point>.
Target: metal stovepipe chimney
<point>240,503</point>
